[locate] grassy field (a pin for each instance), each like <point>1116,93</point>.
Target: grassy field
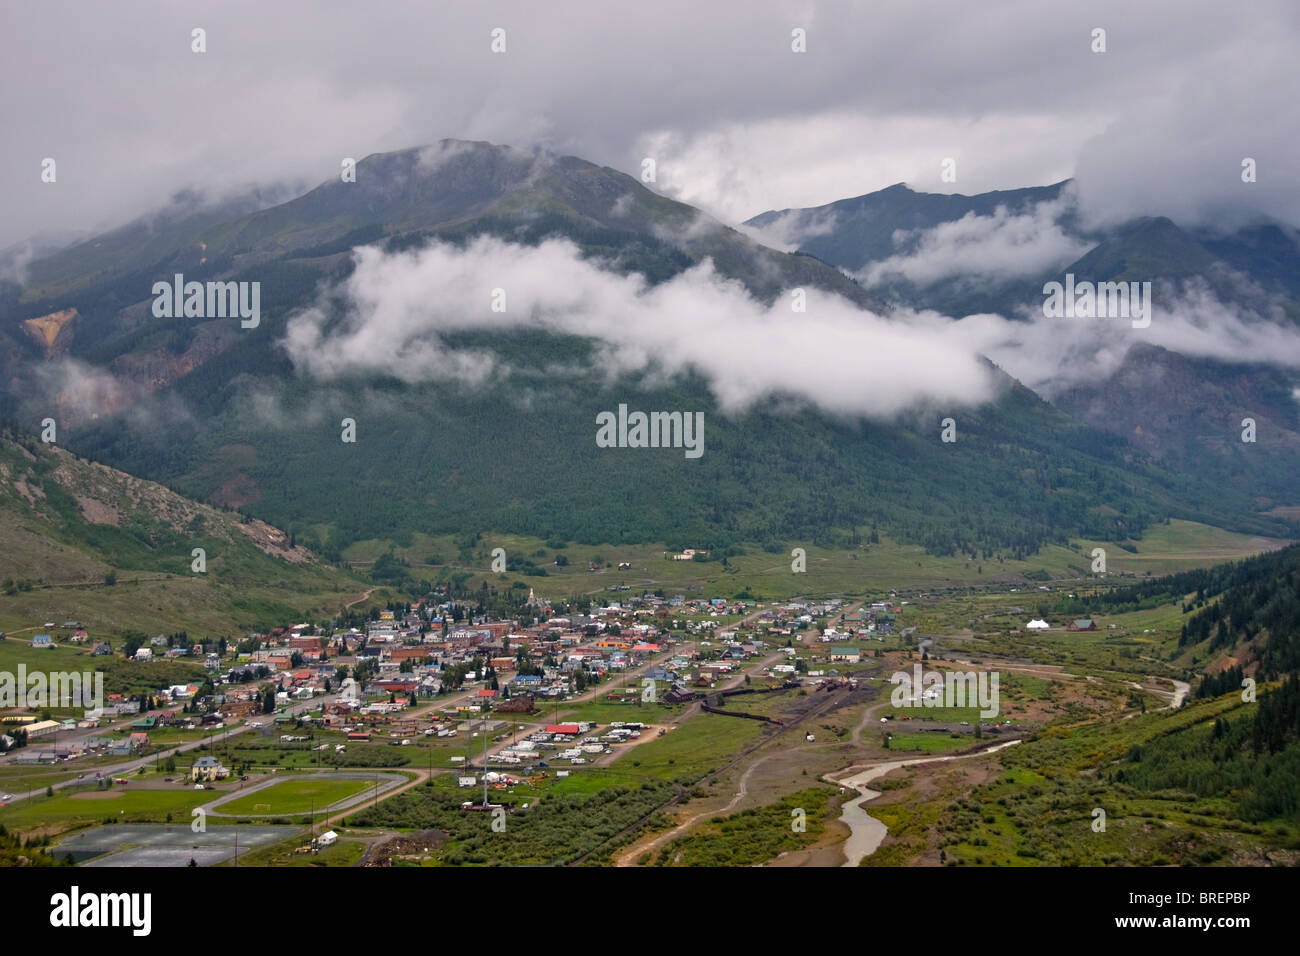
<point>1041,805</point>
<point>120,676</point>
<point>604,713</point>
<point>17,649</point>
<point>346,852</point>
<point>559,829</point>
<point>84,541</point>
<point>20,778</point>
<point>1165,548</point>
<point>930,743</point>
<point>295,795</point>
<point>754,836</point>
<point>69,810</point>
<point>200,605</point>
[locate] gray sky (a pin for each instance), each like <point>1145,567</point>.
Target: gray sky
<point>737,122</point>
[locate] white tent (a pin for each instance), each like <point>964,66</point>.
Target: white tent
<point>328,838</point>
<point>1037,625</point>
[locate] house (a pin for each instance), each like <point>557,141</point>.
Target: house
<point>208,769</point>
<point>328,838</point>
<point>101,649</point>
<point>1082,624</point>
<point>846,653</point>
<point>138,741</point>
<point>144,654</point>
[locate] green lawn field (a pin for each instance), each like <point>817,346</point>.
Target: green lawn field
<point>295,795</point>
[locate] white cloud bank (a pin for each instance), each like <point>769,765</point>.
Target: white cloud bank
<point>835,355</point>
<point>1001,246</point>
<point>391,315</point>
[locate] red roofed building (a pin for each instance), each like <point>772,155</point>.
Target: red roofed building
<point>569,729</point>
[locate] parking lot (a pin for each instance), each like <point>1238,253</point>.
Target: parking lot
<point>164,844</point>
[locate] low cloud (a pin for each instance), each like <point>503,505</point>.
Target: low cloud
<point>75,393</point>
<point>1002,246</point>
<point>14,262</point>
<point>792,228</point>
<point>72,392</point>
<point>391,315</point>
<point>1051,355</point>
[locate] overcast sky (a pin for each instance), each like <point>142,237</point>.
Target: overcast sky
<point>737,122</point>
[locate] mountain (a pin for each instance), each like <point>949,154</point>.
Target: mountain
<point>1204,428</point>
<point>88,542</point>
<point>91,301</point>
<point>223,415</point>
<point>852,233</point>
<point>1184,410</point>
<point>452,189</point>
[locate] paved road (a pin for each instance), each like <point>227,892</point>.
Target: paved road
<point>134,764</point>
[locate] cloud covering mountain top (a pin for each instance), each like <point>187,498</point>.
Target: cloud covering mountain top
<point>738,123</point>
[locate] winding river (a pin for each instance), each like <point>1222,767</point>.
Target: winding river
<point>865,831</point>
